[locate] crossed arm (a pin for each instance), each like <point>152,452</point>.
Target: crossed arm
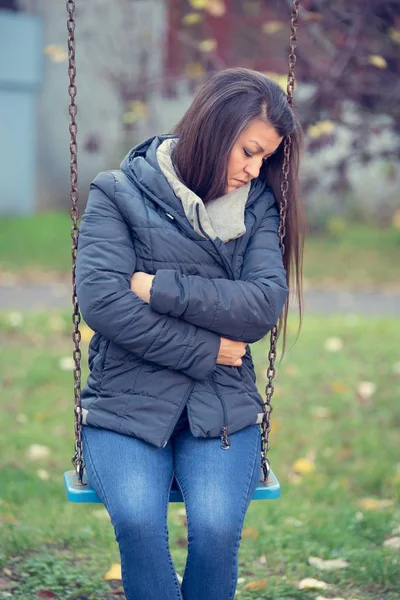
<point>181,327</point>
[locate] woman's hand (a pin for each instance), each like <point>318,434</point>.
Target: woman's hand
<point>230,353</point>
<point>141,284</point>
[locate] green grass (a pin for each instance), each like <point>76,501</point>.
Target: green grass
<point>47,543</point>
<point>347,256</point>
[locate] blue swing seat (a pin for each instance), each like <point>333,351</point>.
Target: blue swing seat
<point>86,494</point>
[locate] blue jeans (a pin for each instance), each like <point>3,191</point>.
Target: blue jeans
<point>133,480</point>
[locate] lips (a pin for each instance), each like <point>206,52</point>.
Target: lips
<point>240,181</point>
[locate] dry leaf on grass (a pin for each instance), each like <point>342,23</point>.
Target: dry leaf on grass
<point>250,532</point>
<point>374,504</point>
<point>327,565</point>
<point>113,573</point>
<point>303,466</point>
<point>43,474</point>
<point>21,418</point>
<point>66,364</point>
<point>37,451</point>
<point>333,344</point>
<point>312,584</point>
<point>393,542</point>
<point>323,598</point>
<point>260,584</point>
<point>365,390</point>
<point>321,412</point>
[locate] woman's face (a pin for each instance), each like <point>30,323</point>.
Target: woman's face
<point>254,145</point>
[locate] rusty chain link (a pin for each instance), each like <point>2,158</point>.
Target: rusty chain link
<point>77,459</point>
<point>269,388</point>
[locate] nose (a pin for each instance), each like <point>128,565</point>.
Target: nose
<point>252,168</point>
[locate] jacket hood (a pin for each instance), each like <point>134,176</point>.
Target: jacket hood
<point>149,166</point>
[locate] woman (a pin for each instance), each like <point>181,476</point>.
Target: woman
<point>179,268</point>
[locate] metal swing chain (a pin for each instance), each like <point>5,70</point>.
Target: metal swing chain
<point>271,371</point>
<point>77,459</point>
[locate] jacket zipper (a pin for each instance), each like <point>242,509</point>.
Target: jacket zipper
<point>164,442</point>
<point>226,263</point>
<point>225,441</point>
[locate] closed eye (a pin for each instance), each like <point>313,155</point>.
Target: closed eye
<point>249,155</point>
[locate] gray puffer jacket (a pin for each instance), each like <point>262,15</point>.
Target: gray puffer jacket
<point>148,361</point>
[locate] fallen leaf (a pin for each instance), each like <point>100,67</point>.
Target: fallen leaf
<point>303,466</point>
<point>338,387</point>
<point>66,364</point>
<point>216,8</point>
<point>43,474</point>
<point>21,418</point>
<point>192,18</point>
<point>250,532</point>
<point>365,390</point>
<point>293,522</point>
<point>393,542</point>
<point>374,504</point>
<point>194,69</point>
<point>272,27</point>
<point>333,344</point>
<point>207,45</point>
<point>327,565</point>
<point>321,412</point>
<point>260,584</point>
<point>241,580</point>
<point>321,128</point>
<point>113,573</point>
<point>394,35</point>
<point>323,598</point>
<point>198,4</point>
<point>36,452</point>
<point>312,584</point>
<point>377,61</point>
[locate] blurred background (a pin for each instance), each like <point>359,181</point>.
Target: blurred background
<point>139,63</point>
<point>335,431</point>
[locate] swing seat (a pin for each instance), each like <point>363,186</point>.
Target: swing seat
<point>86,494</point>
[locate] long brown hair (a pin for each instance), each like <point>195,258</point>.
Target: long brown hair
<point>222,109</point>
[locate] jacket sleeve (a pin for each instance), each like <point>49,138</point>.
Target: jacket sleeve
<point>106,261</point>
<point>243,310</point>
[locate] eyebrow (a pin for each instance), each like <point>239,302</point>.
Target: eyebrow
<point>262,149</point>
